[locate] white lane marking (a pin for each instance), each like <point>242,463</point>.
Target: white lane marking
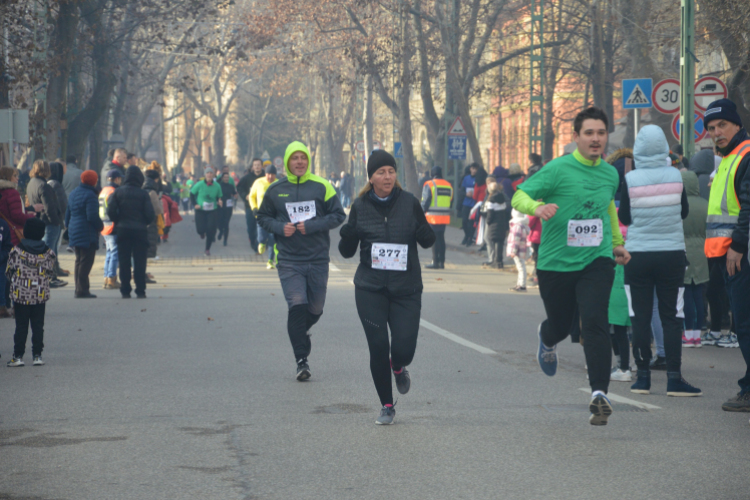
<point>455,338</point>
<point>623,399</point>
<point>333,268</point>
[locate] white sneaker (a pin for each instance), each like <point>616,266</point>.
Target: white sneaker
<point>728,341</point>
<point>38,361</point>
<point>621,376</point>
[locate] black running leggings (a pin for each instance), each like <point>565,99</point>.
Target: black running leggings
<point>378,311</point>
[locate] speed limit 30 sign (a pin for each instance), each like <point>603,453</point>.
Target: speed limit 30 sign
<point>666,96</point>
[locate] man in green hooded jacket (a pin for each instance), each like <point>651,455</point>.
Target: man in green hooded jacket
<point>300,210</point>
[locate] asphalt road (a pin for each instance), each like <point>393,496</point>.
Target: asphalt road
<point>191,394</point>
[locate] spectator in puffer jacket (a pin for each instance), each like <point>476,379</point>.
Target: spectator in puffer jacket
<point>84,225</point>
<point>39,192</point>
<point>653,204</point>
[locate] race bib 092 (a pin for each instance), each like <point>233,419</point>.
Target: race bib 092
<point>585,233</point>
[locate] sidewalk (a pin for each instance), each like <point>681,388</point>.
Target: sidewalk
<point>453,238</point>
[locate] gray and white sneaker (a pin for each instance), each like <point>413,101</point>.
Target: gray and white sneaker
<point>15,361</point>
<point>619,375</point>
<point>38,361</point>
<point>728,341</point>
<point>386,415</point>
<point>710,338</point>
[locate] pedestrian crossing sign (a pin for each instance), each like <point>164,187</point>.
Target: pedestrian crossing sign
<point>636,93</point>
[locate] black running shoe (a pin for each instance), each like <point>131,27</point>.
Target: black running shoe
<point>303,370</point>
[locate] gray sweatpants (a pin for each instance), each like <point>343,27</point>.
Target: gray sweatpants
<point>305,287</point>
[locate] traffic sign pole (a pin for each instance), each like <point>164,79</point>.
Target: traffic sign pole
<point>636,121</point>
<point>687,77</point>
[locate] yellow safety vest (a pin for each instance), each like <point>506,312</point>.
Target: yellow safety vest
<point>439,211</point>
<point>103,203</point>
<point>723,204</point>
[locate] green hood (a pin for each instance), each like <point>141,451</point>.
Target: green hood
<point>690,181</point>
<point>290,150</point>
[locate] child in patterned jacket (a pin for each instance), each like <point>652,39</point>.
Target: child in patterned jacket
<point>29,271</point>
<point>516,246</point>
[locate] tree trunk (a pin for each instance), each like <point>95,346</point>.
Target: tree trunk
<point>98,104</point>
<point>189,127</point>
<point>61,52</point>
<point>368,118</point>
<point>404,116</point>
<point>217,144</point>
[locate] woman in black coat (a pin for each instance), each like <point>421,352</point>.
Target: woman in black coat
<point>387,223</point>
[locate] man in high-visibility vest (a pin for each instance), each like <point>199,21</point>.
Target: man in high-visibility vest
<point>728,228</point>
<point>111,261</point>
<point>437,196</point>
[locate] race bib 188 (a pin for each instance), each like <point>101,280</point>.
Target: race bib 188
<point>208,206</point>
<point>585,233</point>
<point>389,257</point>
<point>300,211</point>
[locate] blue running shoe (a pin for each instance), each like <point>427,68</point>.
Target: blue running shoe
<point>547,356</point>
<point>600,409</point>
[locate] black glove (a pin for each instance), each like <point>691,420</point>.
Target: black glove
<point>348,231</point>
<point>255,213</point>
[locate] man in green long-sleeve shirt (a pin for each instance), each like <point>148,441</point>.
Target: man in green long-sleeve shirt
<point>580,236</point>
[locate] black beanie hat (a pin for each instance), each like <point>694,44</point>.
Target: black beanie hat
<point>271,169</point>
<point>33,229</point>
<point>380,158</point>
<point>152,174</point>
<point>723,109</point>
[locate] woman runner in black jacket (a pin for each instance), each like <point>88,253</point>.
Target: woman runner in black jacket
<point>387,223</point>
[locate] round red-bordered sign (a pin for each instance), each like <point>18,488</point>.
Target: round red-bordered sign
<point>699,131</point>
<point>707,90</point>
<point>666,96</point>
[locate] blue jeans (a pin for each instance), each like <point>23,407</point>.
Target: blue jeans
<point>267,238</point>
<point>52,237</point>
<point>252,228</point>
<point>738,288</point>
<point>345,201</point>
<point>111,260</point>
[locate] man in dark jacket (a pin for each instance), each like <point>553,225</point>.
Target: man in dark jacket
<point>300,210</point>
<point>131,210</point>
<point>536,164</point>
<point>119,162</point>
<point>703,163</point>
<point>84,225</point>
<point>243,190</point>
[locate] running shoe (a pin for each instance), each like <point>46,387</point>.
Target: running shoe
<point>697,343</point>
<point>710,338</point>
<point>680,388</point>
<point>15,361</point>
<point>686,342</point>
<point>600,408</point>
<point>518,289</point>
<point>208,253</point>
<point>303,370</point>
<point>618,375</point>
<point>38,361</point>
<point>386,415</point>
<point>403,380</point>
<point>728,341</point>
<point>262,248</point>
<point>270,265</point>
<point>546,356</point>
<point>140,295</point>
<point>57,283</point>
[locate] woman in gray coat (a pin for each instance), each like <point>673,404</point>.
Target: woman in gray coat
<point>696,275</point>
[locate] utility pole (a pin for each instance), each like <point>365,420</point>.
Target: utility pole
<point>536,78</point>
<point>687,78</point>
